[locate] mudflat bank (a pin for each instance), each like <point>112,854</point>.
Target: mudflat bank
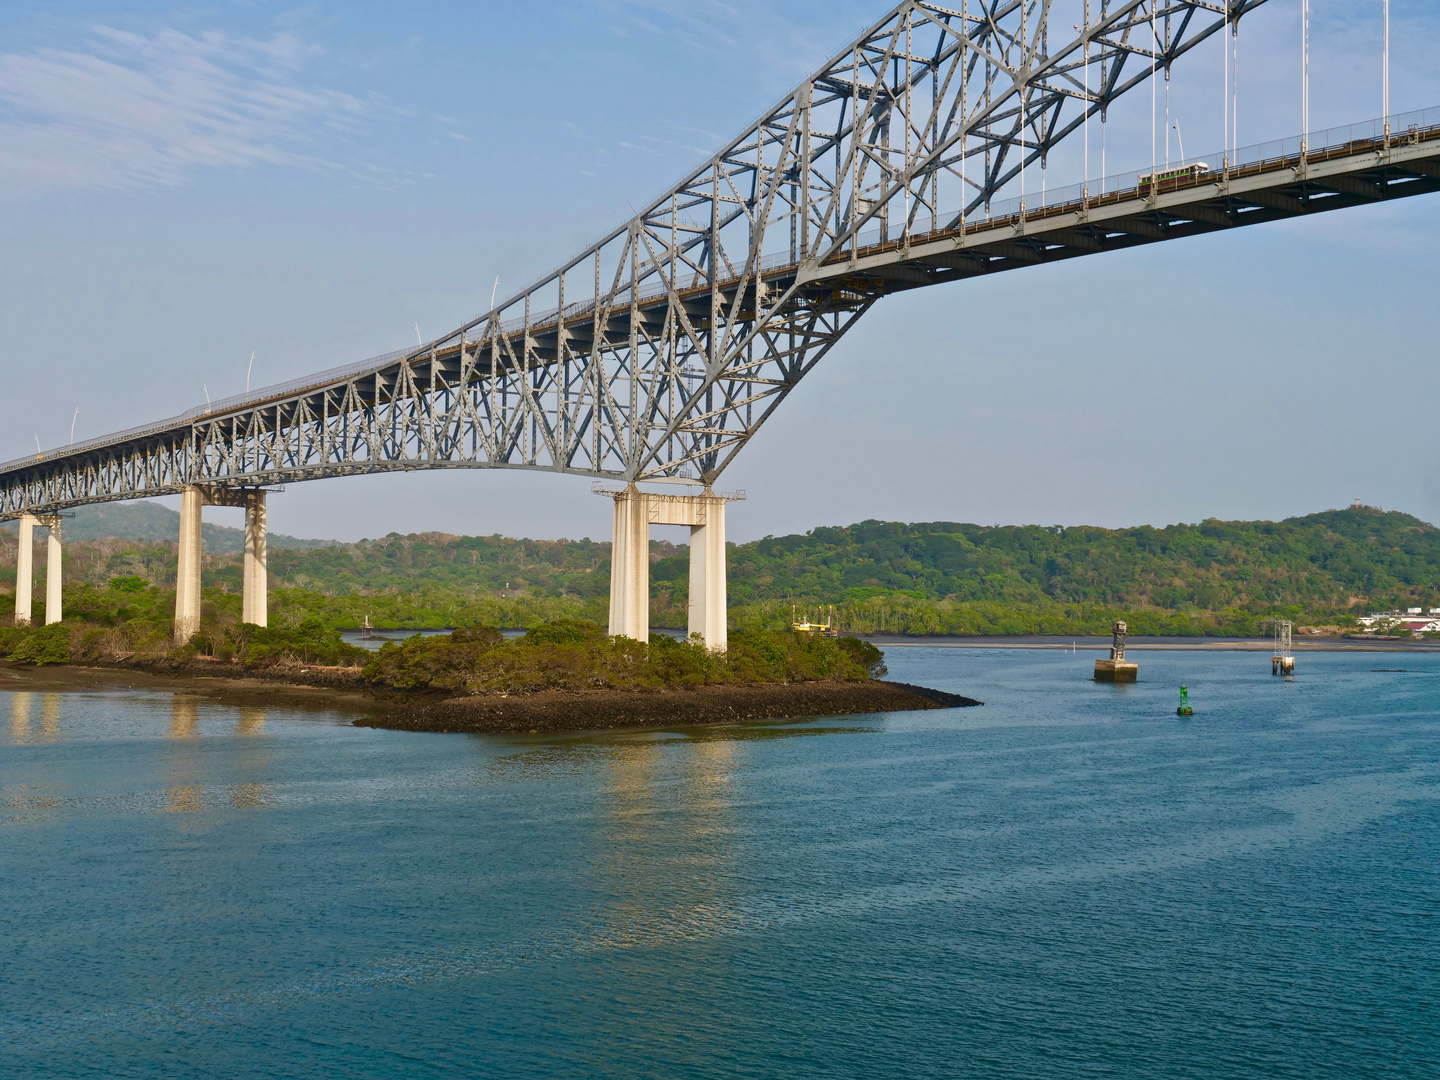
<point>562,711</point>
<point>313,687</point>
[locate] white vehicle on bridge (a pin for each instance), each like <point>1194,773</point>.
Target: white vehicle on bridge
<point>1171,175</point>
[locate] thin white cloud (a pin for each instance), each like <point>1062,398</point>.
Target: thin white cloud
<point>787,46</point>
<point>147,112</point>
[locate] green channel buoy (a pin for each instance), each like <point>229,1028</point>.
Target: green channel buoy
<point>1184,709</point>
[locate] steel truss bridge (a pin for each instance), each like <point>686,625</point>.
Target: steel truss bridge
<point>655,354</point>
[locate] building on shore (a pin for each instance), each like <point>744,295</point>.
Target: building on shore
<point>1412,620</point>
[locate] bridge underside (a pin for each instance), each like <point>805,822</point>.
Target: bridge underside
<point>528,397</point>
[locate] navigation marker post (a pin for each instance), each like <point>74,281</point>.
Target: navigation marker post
<point>1117,668</point>
<point>1282,661</point>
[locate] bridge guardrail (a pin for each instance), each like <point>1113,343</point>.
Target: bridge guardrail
<point>1342,141</point>
<point>1345,141</point>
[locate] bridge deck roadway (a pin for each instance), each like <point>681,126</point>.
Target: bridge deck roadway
<point>1327,178</point>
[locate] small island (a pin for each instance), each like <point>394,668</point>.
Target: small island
<point>562,675</point>
<point>569,675</point>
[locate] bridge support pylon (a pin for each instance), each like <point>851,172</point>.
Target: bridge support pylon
<point>25,569</point>
<point>635,512</point>
<point>255,590</point>
<point>630,566</point>
<point>54,605</point>
<point>187,570</point>
<point>256,596</point>
<point>708,615</point>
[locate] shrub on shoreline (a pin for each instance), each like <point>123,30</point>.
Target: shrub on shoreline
<point>39,645</point>
<point>575,655</point>
<point>312,642</point>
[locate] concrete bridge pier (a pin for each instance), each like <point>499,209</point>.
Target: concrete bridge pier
<point>54,604</point>
<point>630,566</point>
<point>255,592</point>
<point>25,569</point>
<point>708,613</point>
<point>187,571</point>
<point>635,512</point>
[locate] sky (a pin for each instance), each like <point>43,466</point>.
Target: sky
<point>183,184</point>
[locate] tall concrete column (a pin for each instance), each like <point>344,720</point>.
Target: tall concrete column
<point>53,603</point>
<point>630,566</point>
<point>256,594</point>
<point>707,572</point>
<point>187,576</point>
<point>24,569</point>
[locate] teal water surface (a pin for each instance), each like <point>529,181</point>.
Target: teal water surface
<point>1070,881</point>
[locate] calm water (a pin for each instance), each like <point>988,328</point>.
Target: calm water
<point>1068,882</point>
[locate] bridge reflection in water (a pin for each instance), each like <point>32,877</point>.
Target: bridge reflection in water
<point>20,715</point>
<point>249,791</point>
<point>186,792</point>
<point>22,704</point>
<point>665,802</point>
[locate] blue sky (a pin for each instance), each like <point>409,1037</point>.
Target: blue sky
<point>181,184</point>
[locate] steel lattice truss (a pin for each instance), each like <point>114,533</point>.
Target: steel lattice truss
<point>658,352</point>
<point>697,318</point>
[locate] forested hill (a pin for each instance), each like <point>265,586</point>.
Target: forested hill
<point>937,577</point>
<point>1325,561</point>
<point>1328,560</point>
<point>147,520</point>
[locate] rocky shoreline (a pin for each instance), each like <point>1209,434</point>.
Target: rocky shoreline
<point>315,687</point>
<point>555,711</point>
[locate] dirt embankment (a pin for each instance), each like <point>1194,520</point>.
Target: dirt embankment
<point>555,711</point>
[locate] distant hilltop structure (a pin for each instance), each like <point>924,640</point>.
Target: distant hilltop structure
<point>1412,620</point>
